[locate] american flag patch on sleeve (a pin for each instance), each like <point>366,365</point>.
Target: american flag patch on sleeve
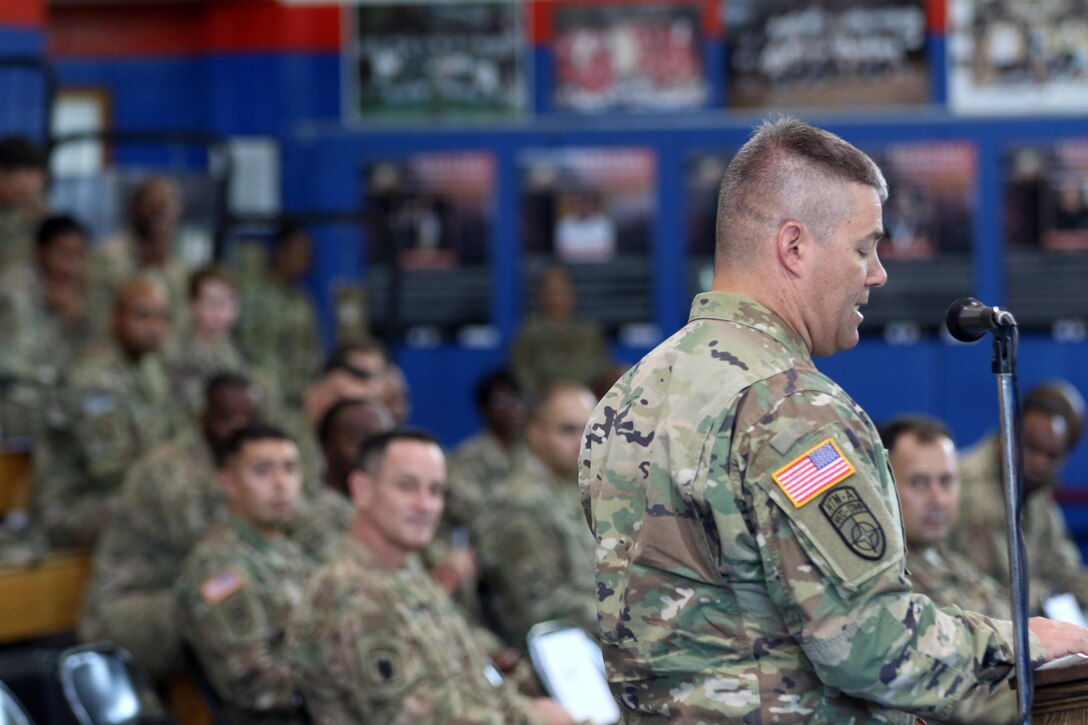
<point>220,587</point>
<point>813,472</point>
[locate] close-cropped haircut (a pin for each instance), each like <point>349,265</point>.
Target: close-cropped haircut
<point>253,432</point>
<point>372,450</point>
<point>786,161</point>
<point>925,428</point>
<point>56,225</point>
<point>225,380</point>
<point>19,152</point>
<point>286,230</point>
<point>327,425</point>
<point>209,273</point>
<point>487,385</point>
<point>537,404</point>
<point>340,359</point>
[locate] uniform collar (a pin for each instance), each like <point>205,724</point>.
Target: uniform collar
<point>745,311</point>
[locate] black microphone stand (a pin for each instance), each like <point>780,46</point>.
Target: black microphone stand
<point>1004,367</point>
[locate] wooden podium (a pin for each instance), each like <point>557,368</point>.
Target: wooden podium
<point>1061,695</point>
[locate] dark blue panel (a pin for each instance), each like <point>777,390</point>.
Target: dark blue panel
<point>146,93</point>
<point>268,93</point>
<point>21,41</point>
<point>936,48</point>
<point>714,72</point>
<point>541,79</point>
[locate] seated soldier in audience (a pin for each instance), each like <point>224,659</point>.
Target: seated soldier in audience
<point>361,366</point>
<point>374,639</point>
<point>146,248</point>
<point>479,464</point>
<point>22,203</point>
<point>536,554</point>
<point>553,344</point>
<point>43,323</point>
<point>353,371</point>
<point>206,349</point>
<point>923,460</point>
<point>170,499</point>
<point>278,331</point>
<point>117,407</point>
<point>1053,420</point>
<point>238,586</point>
<point>326,515</point>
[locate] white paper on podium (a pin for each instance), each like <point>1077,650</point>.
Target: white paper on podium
<point>1074,659</point>
<point>574,669</point>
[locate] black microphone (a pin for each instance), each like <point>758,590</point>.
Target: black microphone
<point>968,319</point>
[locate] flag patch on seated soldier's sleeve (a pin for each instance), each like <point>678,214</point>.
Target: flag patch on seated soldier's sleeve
<point>813,472</point>
<point>220,587</point>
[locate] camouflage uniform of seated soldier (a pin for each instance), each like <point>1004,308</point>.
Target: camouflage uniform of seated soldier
<point>238,586</point>
<point>170,500</point>
<point>117,407</point>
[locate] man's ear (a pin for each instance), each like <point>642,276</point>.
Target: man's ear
<point>791,246</point>
<point>360,486</point>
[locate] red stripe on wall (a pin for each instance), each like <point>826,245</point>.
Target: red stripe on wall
<point>542,12</point>
<point>22,12</point>
<point>935,15</point>
<point>132,31</point>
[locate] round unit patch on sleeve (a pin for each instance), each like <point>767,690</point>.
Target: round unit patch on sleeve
<point>813,472</point>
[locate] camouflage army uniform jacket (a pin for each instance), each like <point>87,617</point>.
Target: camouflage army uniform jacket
<point>112,413</point>
<point>169,501</point>
<point>277,333</point>
<point>545,351</point>
<point>535,555</point>
<point>948,578</point>
<point>375,644</point>
<point>235,593</point>
<point>476,468</point>
<point>194,362</point>
<point>1053,557</point>
<point>321,523</point>
<point>17,230</point>
<point>739,581</point>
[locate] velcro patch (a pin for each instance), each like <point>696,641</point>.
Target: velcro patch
<point>813,472</point>
<point>221,586</point>
<point>851,517</point>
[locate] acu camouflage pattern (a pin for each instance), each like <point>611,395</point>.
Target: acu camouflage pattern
<point>239,638</point>
<point>112,413</point>
<point>277,334</point>
<point>948,579</point>
<point>373,644</point>
<point>476,469</point>
<point>545,351</point>
<point>718,600</point>
<point>194,362</point>
<point>1053,558</point>
<point>322,521</point>
<point>18,227</point>
<point>169,501</point>
<point>39,344</point>
<point>536,557</point>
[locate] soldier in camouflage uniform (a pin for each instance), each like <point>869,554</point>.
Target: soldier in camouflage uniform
<point>923,460</point>
<point>147,249</point>
<point>1053,418</point>
<point>170,500</point>
<point>536,557</point>
<point>750,559</point>
<point>42,322</point>
<point>553,344</point>
<point>325,516</point>
<point>236,589</point>
<point>277,330</point>
<point>117,407</point>
<point>374,639</point>
<point>22,203</point>
<point>206,348</point>
<point>482,462</point>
